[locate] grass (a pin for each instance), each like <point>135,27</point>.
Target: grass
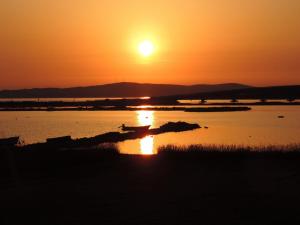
<point>111,150</point>
<point>229,151</point>
<point>197,184</point>
<point>41,160</point>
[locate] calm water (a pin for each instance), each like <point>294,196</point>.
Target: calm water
<point>261,126</point>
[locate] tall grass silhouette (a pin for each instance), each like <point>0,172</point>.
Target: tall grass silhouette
<point>229,150</point>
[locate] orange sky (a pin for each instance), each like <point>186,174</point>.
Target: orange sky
<point>86,42</point>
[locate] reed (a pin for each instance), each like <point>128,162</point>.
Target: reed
<point>229,150</point>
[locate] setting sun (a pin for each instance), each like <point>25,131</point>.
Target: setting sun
<point>146,48</point>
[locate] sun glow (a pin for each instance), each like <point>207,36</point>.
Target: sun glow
<point>147,145</point>
<point>145,118</point>
<point>146,48</point>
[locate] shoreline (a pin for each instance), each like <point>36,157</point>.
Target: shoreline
<point>120,104</point>
<point>118,108</point>
<point>109,137</point>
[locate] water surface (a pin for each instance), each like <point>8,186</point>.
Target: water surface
<point>260,126</point>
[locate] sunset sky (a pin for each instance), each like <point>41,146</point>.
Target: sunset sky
<point>64,43</point>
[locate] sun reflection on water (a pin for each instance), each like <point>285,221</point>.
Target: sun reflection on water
<point>147,145</point>
<point>145,118</point>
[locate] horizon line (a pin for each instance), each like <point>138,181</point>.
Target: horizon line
<point>146,83</point>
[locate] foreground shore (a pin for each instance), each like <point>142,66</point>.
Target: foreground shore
<point>203,185</point>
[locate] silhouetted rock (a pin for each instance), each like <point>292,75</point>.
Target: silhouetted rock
<point>178,126</point>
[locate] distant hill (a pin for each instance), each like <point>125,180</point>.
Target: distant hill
<point>274,92</point>
<point>124,89</point>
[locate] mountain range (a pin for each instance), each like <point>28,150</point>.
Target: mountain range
<point>272,92</point>
<point>124,89</point>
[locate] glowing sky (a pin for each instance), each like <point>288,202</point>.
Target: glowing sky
<point>67,43</point>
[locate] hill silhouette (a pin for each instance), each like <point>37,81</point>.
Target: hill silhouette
<point>273,92</point>
<point>124,89</point>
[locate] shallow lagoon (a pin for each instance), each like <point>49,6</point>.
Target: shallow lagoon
<point>260,126</point>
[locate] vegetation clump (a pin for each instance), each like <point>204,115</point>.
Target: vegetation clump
<point>291,150</point>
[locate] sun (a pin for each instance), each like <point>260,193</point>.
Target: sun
<point>146,48</point>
